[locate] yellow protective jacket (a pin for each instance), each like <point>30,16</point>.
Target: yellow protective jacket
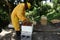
<point>18,14</point>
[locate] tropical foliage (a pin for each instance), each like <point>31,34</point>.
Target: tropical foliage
<point>50,9</point>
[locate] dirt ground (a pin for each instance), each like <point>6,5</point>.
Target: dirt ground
<point>10,35</point>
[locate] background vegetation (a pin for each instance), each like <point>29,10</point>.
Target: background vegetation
<point>50,9</point>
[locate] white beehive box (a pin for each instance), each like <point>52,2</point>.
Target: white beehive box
<point>26,31</point>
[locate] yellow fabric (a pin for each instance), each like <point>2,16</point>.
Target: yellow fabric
<point>29,5</point>
<point>18,14</point>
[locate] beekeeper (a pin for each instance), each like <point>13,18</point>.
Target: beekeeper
<point>18,14</point>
